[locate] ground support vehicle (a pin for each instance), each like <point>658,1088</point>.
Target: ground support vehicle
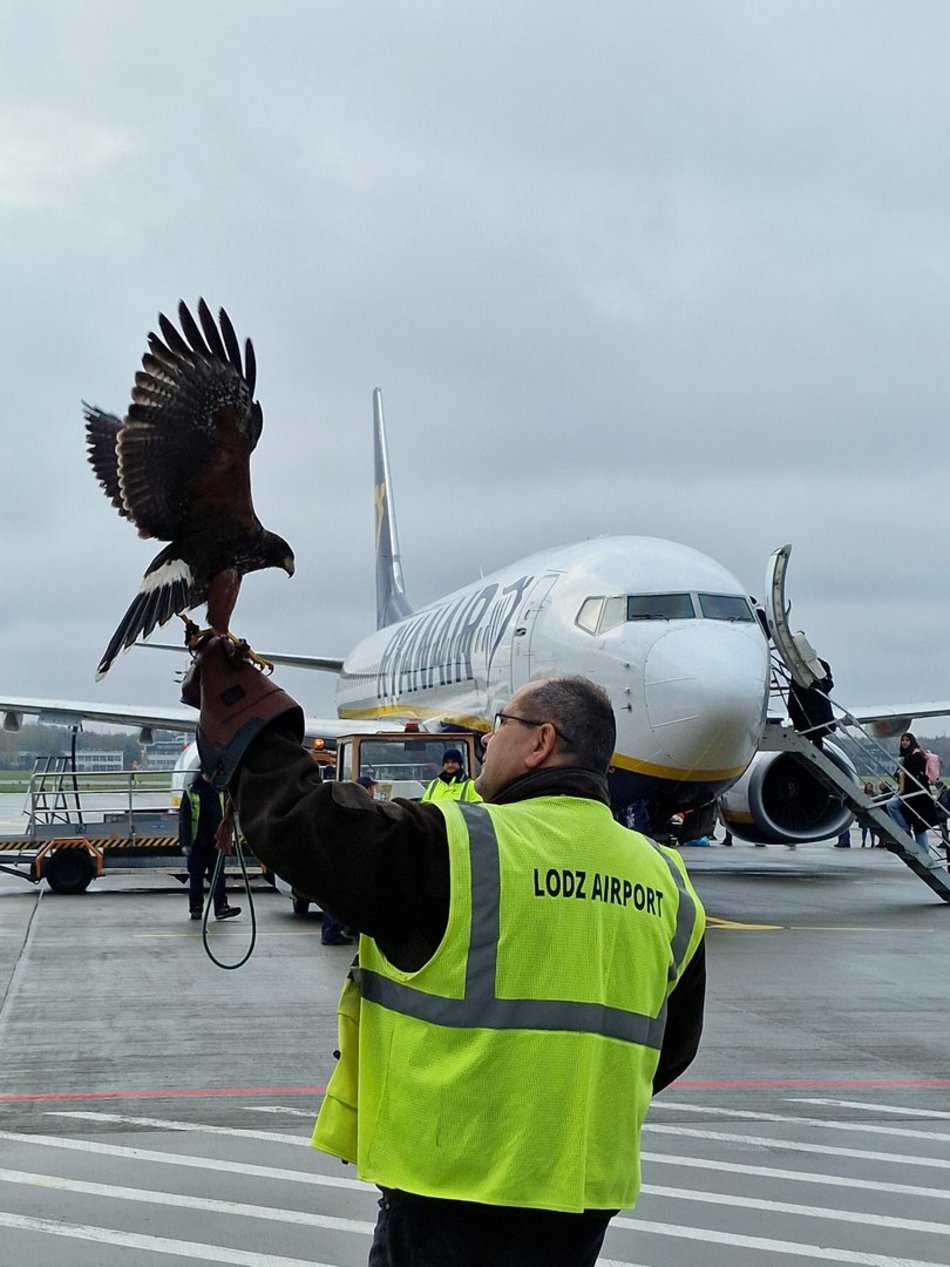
<point>79,827</point>
<point>402,763</point>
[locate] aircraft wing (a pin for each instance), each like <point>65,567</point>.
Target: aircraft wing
<point>888,720</point>
<point>892,712</point>
<point>885,721</point>
<point>60,712</point>
<point>321,664</point>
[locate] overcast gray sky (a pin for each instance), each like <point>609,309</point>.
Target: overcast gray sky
<point>679,270</point>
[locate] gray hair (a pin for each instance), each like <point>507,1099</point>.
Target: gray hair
<point>583,715</point>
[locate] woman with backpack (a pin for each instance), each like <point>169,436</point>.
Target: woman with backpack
<point>913,808</point>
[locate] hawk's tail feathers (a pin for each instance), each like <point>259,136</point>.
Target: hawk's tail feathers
<point>165,591</point>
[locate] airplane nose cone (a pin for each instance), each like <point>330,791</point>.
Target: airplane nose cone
<point>705,694</point>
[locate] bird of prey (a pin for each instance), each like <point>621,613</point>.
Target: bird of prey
<point>178,466</point>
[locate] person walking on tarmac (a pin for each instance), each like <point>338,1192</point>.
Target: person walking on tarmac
<point>530,972</point>
<point>199,817</point>
<point>451,783</point>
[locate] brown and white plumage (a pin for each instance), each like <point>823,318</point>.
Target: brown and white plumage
<point>178,466</point>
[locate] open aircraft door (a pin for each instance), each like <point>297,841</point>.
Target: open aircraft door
<point>796,651</point>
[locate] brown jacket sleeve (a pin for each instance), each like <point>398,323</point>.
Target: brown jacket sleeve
<point>380,867</point>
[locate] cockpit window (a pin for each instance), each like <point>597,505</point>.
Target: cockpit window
<point>725,607</point>
<point>614,614</point>
<point>599,615</point>
<point>589,615</point>
<point>660,607</point>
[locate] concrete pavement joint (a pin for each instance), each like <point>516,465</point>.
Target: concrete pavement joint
<point>19,962</point>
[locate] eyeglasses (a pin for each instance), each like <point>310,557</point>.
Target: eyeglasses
<point>501,718</point>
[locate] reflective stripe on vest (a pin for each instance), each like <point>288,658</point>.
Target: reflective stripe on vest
<point>686,914</point>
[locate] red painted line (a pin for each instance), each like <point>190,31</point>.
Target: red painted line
<point>197,1093</point>
<point>170,1094</point>
<point>752,1083</point>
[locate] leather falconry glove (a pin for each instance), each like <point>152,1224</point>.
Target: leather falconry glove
<point>236,701</point>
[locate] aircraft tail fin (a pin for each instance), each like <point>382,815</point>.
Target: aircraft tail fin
<point>391,601</point>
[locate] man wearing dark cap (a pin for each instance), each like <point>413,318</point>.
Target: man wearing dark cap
<point>452,783</point>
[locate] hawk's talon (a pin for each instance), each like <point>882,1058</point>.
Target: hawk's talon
<point>236,649</point>
<point>239,649</point>
<point>195,638</point>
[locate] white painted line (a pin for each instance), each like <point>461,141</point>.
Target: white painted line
<point>798,1176</point>
<point>795,1146</point>
<point>690,1132</point>
<point>197,1163</point>
<point>708,1235</point>
<point>192,934</point>
<point>870,1128</point>
<point>899,1109</point>
<point>787,1207</point>
<point>280,1108</point>
<point>283,1175</point>
<point>170,1124</point>
<point>153,1244</point>
<point>148,1196</point>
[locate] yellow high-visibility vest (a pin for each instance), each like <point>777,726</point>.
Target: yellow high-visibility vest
<point>457,790</point>
<point>516,1066</point>
<point>195,802</point>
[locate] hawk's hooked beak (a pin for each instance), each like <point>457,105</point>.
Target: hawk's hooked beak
<point>289,565</point>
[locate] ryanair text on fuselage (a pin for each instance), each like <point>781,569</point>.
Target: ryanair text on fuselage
<point>434,648</point>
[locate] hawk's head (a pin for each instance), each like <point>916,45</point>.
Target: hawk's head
<point>277,553</point>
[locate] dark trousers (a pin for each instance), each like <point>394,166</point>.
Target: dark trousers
<point>418,1232</point>
<point>201,863</point>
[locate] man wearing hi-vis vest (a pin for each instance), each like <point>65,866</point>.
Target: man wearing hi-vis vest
<point>529,973</point>
<point>451,783</point>
<point>199,817</point>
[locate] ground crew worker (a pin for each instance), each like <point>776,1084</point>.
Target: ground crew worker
<point>530,972</point>
<point>199,817</point>
<point>451,783</point>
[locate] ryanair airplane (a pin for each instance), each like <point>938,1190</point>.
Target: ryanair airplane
<point>668,632</point>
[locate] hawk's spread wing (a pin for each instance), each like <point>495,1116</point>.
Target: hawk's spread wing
<point>184,449</point>
<point>102,432</point>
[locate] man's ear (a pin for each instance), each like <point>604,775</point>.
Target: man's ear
<point>545,741</point>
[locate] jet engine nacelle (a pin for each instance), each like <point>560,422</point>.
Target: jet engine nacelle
<point>780,801</point>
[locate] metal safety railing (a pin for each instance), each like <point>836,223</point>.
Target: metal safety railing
<point>870,762</point>
<point>60,798</point>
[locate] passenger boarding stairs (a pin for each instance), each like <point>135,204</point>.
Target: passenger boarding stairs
<point>782,737</point>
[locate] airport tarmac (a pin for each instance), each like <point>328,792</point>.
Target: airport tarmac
<point>155,1109</point>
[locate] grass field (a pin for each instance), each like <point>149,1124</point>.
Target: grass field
<point>145,781</point>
